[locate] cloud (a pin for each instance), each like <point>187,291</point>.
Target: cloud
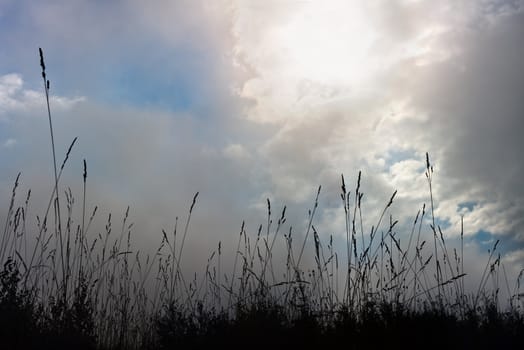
<point>236,152</point>
<point>441,77</point>
<point>15,98</point>
<point>163,54</point>
<point>9,143</point>
<point>475,114</point>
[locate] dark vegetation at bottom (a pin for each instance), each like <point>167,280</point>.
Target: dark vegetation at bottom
<point>24,325</point>
<point>380,327</point>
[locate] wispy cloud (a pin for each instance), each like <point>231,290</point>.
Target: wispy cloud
<point>15,98</point>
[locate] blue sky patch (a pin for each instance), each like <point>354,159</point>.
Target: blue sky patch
<point>398,155</point>
<point>467,205</point>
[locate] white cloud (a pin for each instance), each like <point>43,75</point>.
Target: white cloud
<point>14,97</point>
<point>9,143</point>
<point>236,152</point>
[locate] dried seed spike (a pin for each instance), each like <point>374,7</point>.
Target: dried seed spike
<point>392,197</point>
<point>42,64</point>
<point>193,203</point>
<point>68,153</point>
<point>164,238</point>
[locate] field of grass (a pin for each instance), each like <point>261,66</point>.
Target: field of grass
<point>65,286</point>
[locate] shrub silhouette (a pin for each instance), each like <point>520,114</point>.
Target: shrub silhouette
<point>18,328</point>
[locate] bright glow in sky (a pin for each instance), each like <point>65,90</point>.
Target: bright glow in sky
<point>326,42</point>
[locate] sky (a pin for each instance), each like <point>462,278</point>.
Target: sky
<point>245,100</point>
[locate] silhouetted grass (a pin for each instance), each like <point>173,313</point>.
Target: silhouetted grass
<point>65,287</point>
